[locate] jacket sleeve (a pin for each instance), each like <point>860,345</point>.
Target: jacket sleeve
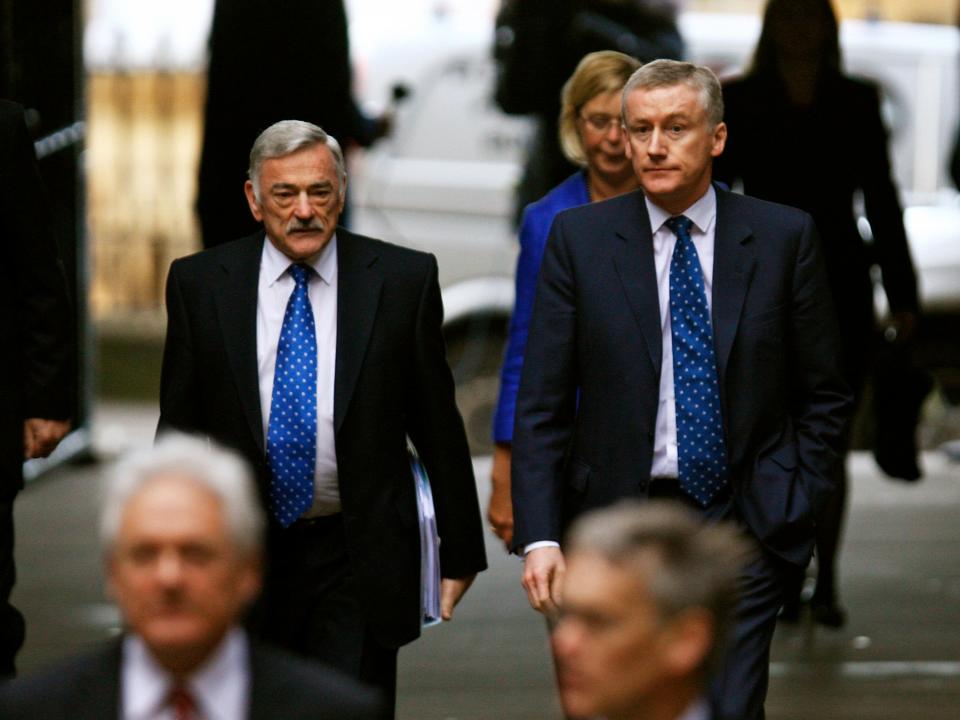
<point>179,393</point>
<point>546,402</point>
<point>44,315</point>
<point>884,211</point>
<point>822,401</point>
<point>437,432</point>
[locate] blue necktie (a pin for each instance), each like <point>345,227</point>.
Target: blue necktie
<point>292,430</point>
<point>701,453</point>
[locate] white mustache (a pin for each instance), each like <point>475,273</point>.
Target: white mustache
<point>311,224</point>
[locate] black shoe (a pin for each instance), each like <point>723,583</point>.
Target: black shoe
<point>829,614</point>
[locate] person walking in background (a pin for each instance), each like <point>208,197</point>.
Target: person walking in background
<point>591,137</point>
<point>682,345</point>
<point>648,599</point>
<point>251,50</point>
<point>317,353</point>
<point>36,383</point>
<point>538,45</point>
<point>804,134</point>
<point>182,535</point>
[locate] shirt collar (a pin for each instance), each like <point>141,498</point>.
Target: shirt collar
<point>214,686</point>
<point>698,710</point>
<point>274,263</point>
<point>703,212</point>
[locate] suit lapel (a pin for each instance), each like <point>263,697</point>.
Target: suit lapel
<point>358,293</point>
<point>236,298</point>
<point>633,260</point>
<point>733,266</point>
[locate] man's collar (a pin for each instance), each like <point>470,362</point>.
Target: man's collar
<point>274,263</point>
<point>703,212</point>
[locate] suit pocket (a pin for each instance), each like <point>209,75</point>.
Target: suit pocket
<point>578,475</point>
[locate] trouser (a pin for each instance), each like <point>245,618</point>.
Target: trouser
<point>738,686</point>
<point>12,629</point>
<point>310,606</point>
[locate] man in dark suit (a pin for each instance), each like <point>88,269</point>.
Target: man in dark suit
<point>35,323</point>
<point>682,345</point>
<point>182,532</point>
<point>317,353</point>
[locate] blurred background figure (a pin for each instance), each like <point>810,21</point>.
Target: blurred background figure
<point>36,369</point>
<point>837,148</point>
<point>647,599</point>
<point>270,62</point>
<point>591,137</point>
<point>182,532</point>
<point>538,45</point>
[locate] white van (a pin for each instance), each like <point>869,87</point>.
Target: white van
<point>444,181</point>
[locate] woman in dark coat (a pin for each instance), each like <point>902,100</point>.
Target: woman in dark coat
<point>804,134</point>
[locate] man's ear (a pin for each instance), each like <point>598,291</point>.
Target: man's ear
<point>252,201</point>
<point>719,139</point>
<point>688,640</point>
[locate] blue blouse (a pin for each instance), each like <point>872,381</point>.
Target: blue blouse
<point>534,229</point>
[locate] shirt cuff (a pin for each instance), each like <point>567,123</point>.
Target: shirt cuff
<point>540,544</point>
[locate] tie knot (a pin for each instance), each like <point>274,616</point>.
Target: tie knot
<point>680,224</point>
<point>301,273</point>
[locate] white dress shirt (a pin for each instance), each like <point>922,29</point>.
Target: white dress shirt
<point>220,688</point>
<point>273,293</point>
<point>703,214</point>
<point>700,710</point>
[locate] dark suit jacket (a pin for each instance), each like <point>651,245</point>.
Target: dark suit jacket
<point>759,118</point>
<point>282,686</point>
<point>588,399</point>
<point>250,41</point>
<point>35,312</point>
<point>391,381</point>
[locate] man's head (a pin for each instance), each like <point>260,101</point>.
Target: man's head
<point>647,597</point>
<point>297,186</point>
<point>673,117</point>
<point>182,530</point>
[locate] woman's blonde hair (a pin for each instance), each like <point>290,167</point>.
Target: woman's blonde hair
<point>597,73</point>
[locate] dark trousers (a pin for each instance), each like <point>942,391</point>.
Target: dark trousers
<point>738,687</point>
<point>311,606</point>
<point>12,627</point>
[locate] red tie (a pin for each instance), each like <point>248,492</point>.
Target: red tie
<point>182,703</point>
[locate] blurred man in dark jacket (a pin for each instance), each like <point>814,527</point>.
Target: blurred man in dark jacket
<point>35,324</point>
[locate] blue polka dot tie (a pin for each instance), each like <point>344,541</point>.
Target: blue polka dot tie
<point>292,430</point>
<point>701,453</point>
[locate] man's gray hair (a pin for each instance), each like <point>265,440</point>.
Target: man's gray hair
<point>682,562</point>
<point>285,138</point>
<point>667,73</point>
<point>211,467</point>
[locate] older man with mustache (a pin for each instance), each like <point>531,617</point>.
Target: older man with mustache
<point>317,353</point>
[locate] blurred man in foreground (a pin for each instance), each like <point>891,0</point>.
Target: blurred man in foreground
<point>648,596</point>
<point>182,532</point>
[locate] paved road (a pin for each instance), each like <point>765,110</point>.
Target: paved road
<point>899,657</point>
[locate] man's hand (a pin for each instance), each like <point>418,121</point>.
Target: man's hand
<point>40,436</point>
<point>500,508</point>
<point>451,590</point>
<point>543,571</point>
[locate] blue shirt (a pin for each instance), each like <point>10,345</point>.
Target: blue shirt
<point>534,229</point>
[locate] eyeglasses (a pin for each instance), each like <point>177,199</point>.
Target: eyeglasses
<point>601,123</point>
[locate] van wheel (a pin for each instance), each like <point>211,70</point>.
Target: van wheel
<point>475,351</point>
